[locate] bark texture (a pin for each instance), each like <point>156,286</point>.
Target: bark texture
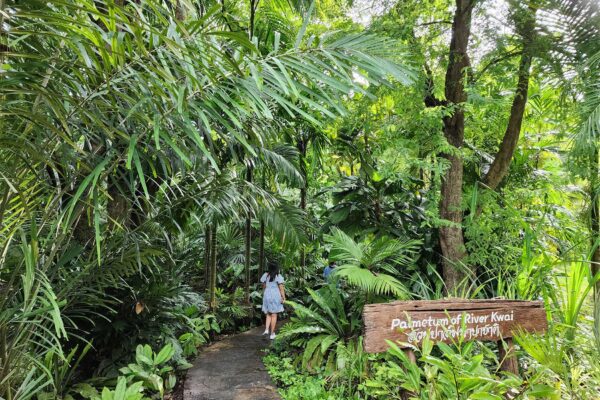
<point>451,236</point>
<point>302,150</point>
<point>207,248</point>
<point>261,248</point>
<point>248,244</point>
<point>261,236</point>
<point>501,163</point>
<point>213,268</point>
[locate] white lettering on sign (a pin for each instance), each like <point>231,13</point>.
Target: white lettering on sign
<point>407,323</point>
<point>467,324</point>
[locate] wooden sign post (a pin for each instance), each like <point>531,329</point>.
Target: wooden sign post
<point>448,320</point>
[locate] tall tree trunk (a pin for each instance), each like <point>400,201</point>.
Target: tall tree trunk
<point>302,249</point>
<point>3,37</point>
<point>213,268</point>
<point>594,192</point>
<point>451,236</point>
<point>501,163</point>
<point>248,244</point>
<point>595,239</point>
<point>302,150</point>
<point>261,236</point>
<point>261,248</point>
<point>595,219</point>
<point>253,7</point>
<point>207,258</point>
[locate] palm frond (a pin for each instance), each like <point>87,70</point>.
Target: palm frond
<point>282,161</point>
<point>343,247</point>
<point>401,252</point>
<point>286,223</point>
<point>369,282</point>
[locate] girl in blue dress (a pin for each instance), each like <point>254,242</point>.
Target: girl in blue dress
<point>273,297</point>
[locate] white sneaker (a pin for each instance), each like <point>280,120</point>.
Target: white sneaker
<point>272,336</point>
<point>265,333</point>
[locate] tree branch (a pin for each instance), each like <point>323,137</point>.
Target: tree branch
<point>510,54</point>
<point>442,21</point>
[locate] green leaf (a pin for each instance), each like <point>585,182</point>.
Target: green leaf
<point>484,396</point>
<point>131,150</point>
<point>327,341</point>
<point>97,232</point>
<point>302,30</point>
<point>140,172</point>
<point>107,394</point>
<point>90,179</point>
<point>541,391</point>
<point>143,355</point>
<point>164,355</point>
<point>120,390</point>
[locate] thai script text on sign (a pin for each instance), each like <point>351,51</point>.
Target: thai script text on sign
<point>448,320</point>
<point>469,325</point>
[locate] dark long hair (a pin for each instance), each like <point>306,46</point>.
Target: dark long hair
<point>273,270</point>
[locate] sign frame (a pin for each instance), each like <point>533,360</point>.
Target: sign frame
<point>491,320</point>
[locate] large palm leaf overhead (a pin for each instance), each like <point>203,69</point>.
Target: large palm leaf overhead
<point>135,88</point>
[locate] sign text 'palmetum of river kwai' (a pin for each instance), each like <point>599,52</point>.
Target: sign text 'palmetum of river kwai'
<point>449,320</point>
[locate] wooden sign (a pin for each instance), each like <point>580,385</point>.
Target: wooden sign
<point>448,320</point>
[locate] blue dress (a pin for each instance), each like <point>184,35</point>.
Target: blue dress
<point>272,296</point>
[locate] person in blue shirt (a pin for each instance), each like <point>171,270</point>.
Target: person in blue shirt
<point>328,270</point>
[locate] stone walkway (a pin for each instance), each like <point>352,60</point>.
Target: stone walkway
<point>231,369</point>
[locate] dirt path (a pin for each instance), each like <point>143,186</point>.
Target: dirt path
<point>231,369</point>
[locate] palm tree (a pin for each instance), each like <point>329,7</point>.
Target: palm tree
<point>106,108</point>
<point>371,265</point>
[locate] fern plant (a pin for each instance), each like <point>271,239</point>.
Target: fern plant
<point>372,265</point>
<point>324,329</point>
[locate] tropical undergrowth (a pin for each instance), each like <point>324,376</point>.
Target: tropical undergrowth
<point>322,347</point>
<point>156,155</point>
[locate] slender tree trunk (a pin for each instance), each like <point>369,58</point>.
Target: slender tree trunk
<point>261,239</point>
<point>261,248</point>
<point>595,218</point>
<point>248,244</point>
<point>213,268</point>
<point>207,258</point>
<point>3,37</point>
<point>595,238</point>
<point>261,234</point>
<point>302,249</point>
<point>594,192</point>
<point>253,7</point>
<point>451,236</point>
<point>501,163</point>
<point>302,150</point>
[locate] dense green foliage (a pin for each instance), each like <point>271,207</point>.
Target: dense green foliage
<point>156,154</point>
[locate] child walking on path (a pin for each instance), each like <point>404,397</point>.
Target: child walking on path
<point>273,297</point>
